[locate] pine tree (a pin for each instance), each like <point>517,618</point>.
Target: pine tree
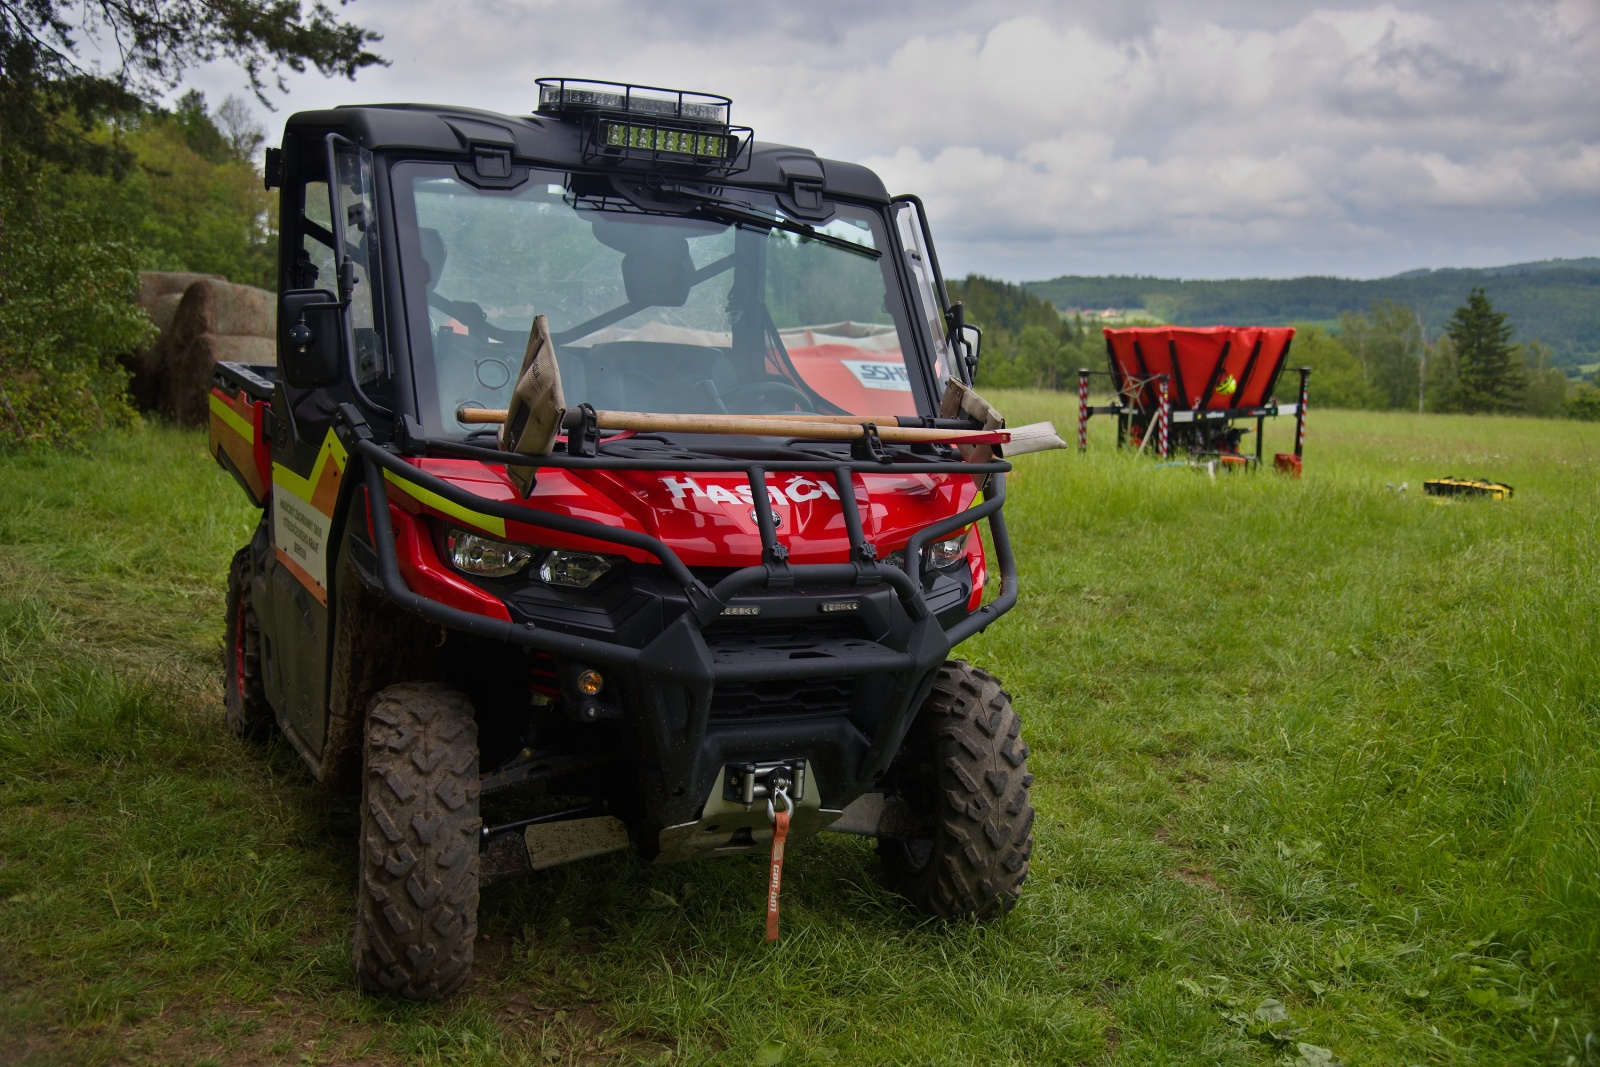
<point>1491,376</point>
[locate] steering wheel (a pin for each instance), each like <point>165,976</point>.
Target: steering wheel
<point>781,391</point>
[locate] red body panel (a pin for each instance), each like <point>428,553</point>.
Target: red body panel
<point>1141,352</point>
<point>423,571</point>
<point>979,569</point>
<point>249,452</point>
<point>706,518</point>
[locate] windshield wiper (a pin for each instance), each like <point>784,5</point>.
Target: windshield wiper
<point>734,211</point>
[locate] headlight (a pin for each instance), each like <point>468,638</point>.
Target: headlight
<point>486,556</point>
<point>574,570</point>
<point>939,555</point>
<point>948,553</point>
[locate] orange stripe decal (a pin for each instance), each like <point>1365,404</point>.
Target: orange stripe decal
<point>303,575</point>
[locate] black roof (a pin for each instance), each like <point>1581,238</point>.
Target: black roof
<point>543,139</point>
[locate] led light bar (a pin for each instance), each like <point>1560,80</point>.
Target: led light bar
<point>660,139</point>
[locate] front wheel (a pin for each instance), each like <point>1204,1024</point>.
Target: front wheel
<point>962,773</point>
<point>417,905</point>
<point>248,714</point>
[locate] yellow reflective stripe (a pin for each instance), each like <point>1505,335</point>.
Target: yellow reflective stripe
<point>284,478</point>
<point>222,410</point>
<point>486,523</point>
<point>306,488</point>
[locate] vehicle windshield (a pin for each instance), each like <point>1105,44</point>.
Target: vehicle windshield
<point>649,312</point>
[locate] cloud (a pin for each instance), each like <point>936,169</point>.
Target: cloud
<point>1155,136</point>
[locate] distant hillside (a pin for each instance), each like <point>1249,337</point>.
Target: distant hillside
<point>997,305</point>
<point>1555,301</point>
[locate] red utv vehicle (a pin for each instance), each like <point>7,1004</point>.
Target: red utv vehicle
<point>643,639</point>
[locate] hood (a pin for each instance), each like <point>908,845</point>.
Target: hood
<point>708,519</point>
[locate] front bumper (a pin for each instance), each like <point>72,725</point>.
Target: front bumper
<point>674,680</point>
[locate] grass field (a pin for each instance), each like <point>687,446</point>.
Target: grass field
<point>1316,773</point>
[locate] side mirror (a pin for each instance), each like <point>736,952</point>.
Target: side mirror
<point>310,338</point>
<point>970,342</point>
<point>964,337</point>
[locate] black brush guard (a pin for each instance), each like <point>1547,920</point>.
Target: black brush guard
<point>677,672</point>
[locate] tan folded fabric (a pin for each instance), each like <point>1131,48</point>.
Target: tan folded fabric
<point>959,400</point>
<point>533,418</point>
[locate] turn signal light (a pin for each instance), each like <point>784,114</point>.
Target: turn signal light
<point>590,683</point>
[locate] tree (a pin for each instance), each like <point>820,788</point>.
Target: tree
<point>1545,394</point>
<point>1443,384</point>
<point>96,181</point>
<point>1387,342</point>
<point>65,314</point>
<point>236,123</point>
<point>1337,378</point>
<point>1026,342</point>
<point>1490,375</point>
<point>72,242</point>
<point>50,98</point>
<point>194,199</point>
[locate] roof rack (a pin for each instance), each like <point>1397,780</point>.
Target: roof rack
<point>649,125</point>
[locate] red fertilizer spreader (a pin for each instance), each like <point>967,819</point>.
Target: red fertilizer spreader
<point>1192,388</point>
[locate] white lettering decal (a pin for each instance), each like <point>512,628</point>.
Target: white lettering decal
<point>739,494</point>
<point>875,374</point>
<point>746,494</point>
<point>677,488</point>
<point>803,488</point>
<point>302,532</point>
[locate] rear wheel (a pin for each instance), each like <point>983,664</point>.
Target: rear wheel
<point>417,906</point>
<point>248,714</point>
<point>963,774</point>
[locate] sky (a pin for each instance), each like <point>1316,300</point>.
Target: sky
<point>1176,138</point>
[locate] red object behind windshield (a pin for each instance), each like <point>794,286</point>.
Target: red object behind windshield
<point>860,382</point>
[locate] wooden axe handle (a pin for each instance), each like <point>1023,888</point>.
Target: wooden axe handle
<point>490,416</point>
<point>814,427</point>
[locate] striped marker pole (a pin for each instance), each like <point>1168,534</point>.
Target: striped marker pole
<point>1083,410</point>
<point>1164,415</point>
<point>1300,415</point>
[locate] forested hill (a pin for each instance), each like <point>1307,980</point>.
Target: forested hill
<point>1555,301</point>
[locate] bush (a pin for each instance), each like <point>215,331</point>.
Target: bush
<point>1583,402</point>
<point>66,313</point>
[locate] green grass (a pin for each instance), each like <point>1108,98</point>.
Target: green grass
<point>1321,744</point>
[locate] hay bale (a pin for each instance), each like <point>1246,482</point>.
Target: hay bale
<point>160,293</point>
<point>154,284</point>
<point>243,311</point>
<point>234,349</point>
<point>161,309</point>
<point>214,321</point>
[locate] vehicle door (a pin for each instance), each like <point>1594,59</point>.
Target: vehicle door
<point>323,225</point>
